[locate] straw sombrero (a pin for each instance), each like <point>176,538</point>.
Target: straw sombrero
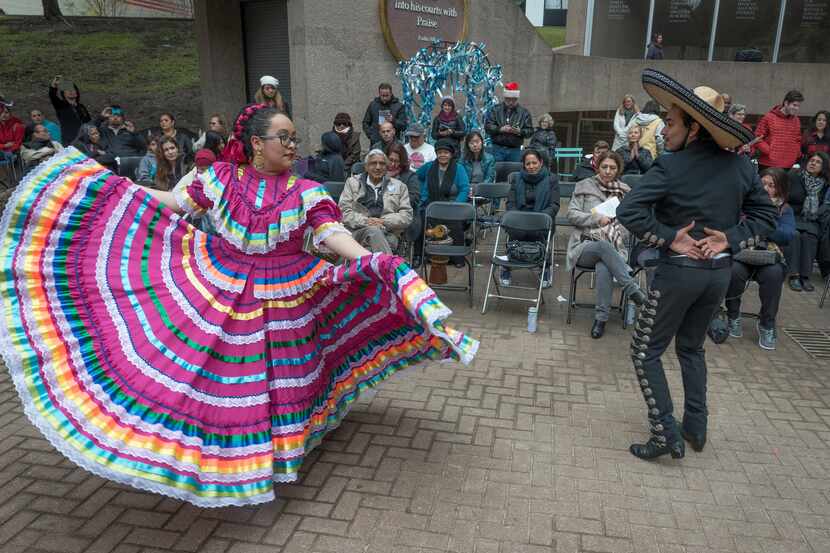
<point>704,104</point>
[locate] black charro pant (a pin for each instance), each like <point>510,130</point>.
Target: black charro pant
<point>682,302</point>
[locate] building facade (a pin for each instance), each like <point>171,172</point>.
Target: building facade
<point>330,55</point>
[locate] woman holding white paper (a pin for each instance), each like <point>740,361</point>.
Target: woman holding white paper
<point>598,241</point>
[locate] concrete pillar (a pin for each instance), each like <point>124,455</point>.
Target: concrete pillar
<point>218,26</point>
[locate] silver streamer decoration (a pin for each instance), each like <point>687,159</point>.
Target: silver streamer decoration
<point>449,69</point>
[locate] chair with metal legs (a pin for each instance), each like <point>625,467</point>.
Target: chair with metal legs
<point>450,213</point>
<point>525,222</point>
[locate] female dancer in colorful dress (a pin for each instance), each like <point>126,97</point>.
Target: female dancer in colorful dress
<point>203,367</point>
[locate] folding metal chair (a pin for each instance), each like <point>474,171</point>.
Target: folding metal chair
<point>504,168</point>
<point>128,166</point>
<point>524,222</point>
<point>566,154</point>
<point>334,188</point>
<point>824,294</point>
<point>448,213</point>
<point>495,192</point>
<point>579,270</point>
<point>15,172</point>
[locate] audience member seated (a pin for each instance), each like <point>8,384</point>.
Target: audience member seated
<point>622,120</point>
<point>387,136</point>
<point>544,139</point>
<point>770,277</point>
<point>36,117</point>
<point>600,242</point>
<point>216,124</point>
<point>418,149</point>
<point>117,139</point>
<point>443,180</point>
<point>479,163</point>
<point>12,131</point>
<point>89,143</point>
<point>71,113</point>
<point>651,124</point>
<point>184,139</point>
<point>817,139</point>
<point>170,164</point>
<point>40,147</point>
<point>637,159</point>
<point>808,188</point>
<point>588,168</point>
<point>448,124</point>
<point>508,125</point>
<point>375,206</point>
<point>214,142</point>
<point>536,189</point>
<point>349,140</point>
<point>384,108</point>
<point>327,165</point>
<point>399,168</point>
<point>146,173</point>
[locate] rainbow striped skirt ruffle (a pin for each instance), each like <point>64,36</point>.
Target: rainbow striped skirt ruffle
<point>140,348</point>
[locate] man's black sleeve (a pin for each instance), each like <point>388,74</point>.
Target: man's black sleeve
<point>636,211</point>
<point>759,217</point>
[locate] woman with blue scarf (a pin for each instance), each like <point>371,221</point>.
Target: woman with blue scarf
<point>535,189</point>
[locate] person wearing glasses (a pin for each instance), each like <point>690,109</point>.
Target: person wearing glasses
<point>202,366</point>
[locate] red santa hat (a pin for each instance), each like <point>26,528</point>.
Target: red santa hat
<point>511,90</point>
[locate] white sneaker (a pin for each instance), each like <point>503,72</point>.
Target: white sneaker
<point>505,282</point>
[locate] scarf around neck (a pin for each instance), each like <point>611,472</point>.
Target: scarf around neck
<point>614,232</point>
<point>812,189</point>
<point>540,182</point>
<point>440,189</point>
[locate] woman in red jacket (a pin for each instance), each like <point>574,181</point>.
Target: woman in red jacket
<point>817,139</point>
<point>12,130</point>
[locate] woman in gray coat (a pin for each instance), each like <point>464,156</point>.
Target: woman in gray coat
<point>600,242</point>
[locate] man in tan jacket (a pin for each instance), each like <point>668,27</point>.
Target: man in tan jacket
<point>376,207</point>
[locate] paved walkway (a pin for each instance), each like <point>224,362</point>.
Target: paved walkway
<point>524,451</point>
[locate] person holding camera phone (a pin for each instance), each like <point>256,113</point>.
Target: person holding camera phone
<point>71,113</point>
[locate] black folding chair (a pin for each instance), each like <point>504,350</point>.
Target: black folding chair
<point>524,222</point>
<point>334,188</point>
<point>128,166</point>
<point>578,271</point>
<point>448,213</point>
<point>494,193</point>
<point>824,294</point>
<point>504,168</point>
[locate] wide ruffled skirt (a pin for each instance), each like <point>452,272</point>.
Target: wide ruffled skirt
<point>144,351</point>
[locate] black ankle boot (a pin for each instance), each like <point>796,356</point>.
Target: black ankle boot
<point>697,441</point>
<point>653,449</point>
<point>598,330</point>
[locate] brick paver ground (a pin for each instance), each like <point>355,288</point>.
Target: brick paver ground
<point>524,451</point>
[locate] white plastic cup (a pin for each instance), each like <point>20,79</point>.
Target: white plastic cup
<point>532,317</point>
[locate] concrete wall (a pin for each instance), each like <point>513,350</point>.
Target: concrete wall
<point>339,57</point>
<point>218,27</point>
<point>592,83</point>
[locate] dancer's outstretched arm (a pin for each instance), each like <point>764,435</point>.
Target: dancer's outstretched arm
<point>346,246</point>
<point>167,198</point>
